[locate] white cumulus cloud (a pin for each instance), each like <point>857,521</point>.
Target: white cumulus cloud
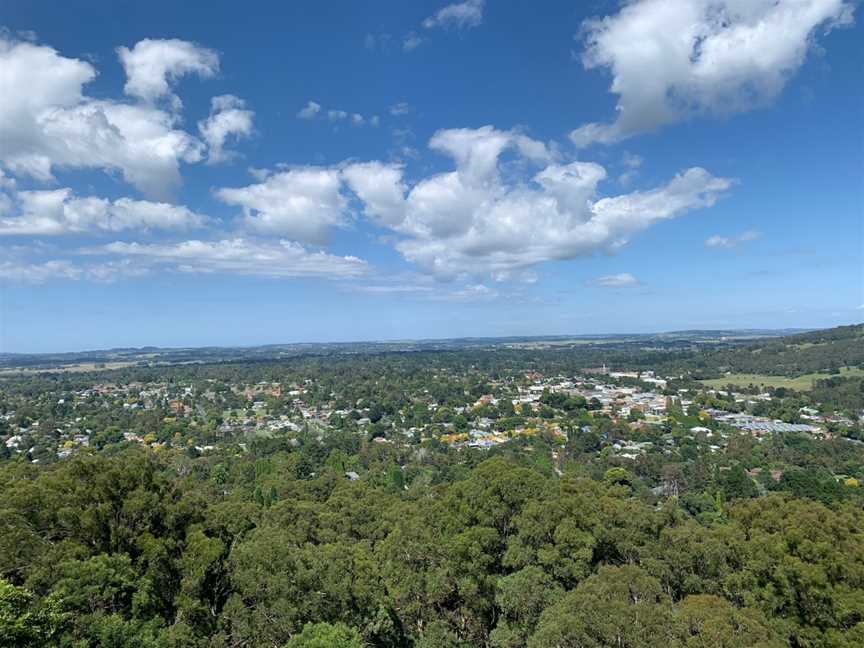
<point>381,188</point>
<point>674,59</point>
<point>301,203</point>
<point>229,118</point>
<point>60,211</point>
<point>152,65</point>
<point>47,122</point>
<point>475,219</point>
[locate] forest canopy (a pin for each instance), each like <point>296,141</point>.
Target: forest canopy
<point>144,550</point>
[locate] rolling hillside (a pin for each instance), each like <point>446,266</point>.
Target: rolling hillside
<point>825,351</point>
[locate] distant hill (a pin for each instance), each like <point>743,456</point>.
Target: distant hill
<point>812,352</point>
<point>126,356</point>
<point>701,353</point>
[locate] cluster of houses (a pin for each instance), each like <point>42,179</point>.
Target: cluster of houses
<point>636,398</point>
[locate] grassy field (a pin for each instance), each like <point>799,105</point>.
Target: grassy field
<point>801,383</point>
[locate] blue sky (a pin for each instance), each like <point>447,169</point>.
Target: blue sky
<point>313,171</point>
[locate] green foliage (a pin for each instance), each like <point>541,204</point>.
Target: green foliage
<point>499,554</point>
<point>25,621</point>
<point>619,606</point>
<point>813,484</point>
<point>736,483</point>
<point>522,597</point>
<point>326,635</point>
<point>705,620</point>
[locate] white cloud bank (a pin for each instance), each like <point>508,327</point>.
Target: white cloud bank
<point>675,59</point>
<point>475,220</point>
<point>60,211</point>
<point>510,203</point>
<point>37,273</point>
<point>241,256</point>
